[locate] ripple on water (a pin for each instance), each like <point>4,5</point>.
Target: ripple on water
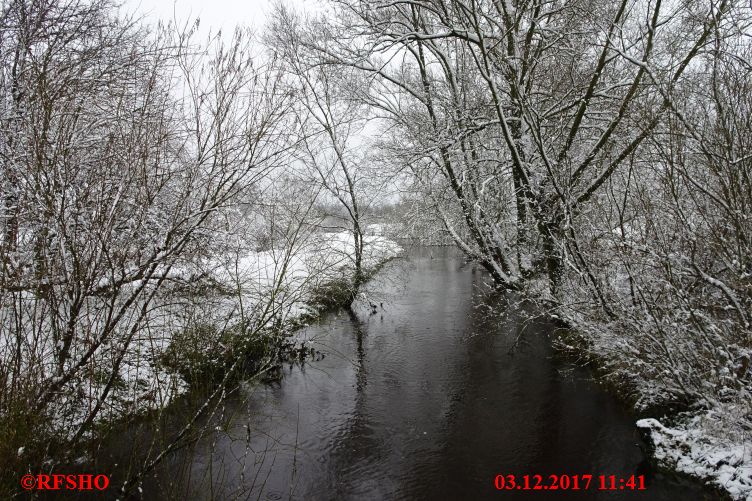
<point>428,399</point>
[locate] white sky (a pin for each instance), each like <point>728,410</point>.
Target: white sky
<point>224,14</point>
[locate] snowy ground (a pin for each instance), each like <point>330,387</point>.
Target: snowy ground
<point>713,442</point>
<point>707,446</point>
<point>327,257</point>
<point>293,278</point>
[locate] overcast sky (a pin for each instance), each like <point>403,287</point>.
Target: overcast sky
<point>225,14</point>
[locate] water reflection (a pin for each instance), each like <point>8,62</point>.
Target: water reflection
<point>429,398</point>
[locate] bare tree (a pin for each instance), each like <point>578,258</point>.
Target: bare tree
<point>333,124</point>
<point>123,151</point>
<point>530,105</point>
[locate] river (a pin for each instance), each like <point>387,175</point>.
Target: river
<point>429,398</point>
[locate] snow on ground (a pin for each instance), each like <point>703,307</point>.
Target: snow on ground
<point>705,447</point>
<point>712,443</point>
<point>322,259</point>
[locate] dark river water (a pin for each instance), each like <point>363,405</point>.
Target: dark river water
<point>429,398</point>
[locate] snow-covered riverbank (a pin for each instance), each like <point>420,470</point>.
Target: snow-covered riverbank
<point>711,440</point>
<point>711,445</point>
<point>274,288</point>
<point>285,282</point>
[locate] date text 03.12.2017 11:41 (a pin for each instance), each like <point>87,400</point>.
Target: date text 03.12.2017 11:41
<point>569,482</point>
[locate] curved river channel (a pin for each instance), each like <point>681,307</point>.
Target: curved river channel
<point>429,398</point>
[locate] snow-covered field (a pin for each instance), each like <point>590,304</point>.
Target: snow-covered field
<point>285,280</point>
<point>322,259</point>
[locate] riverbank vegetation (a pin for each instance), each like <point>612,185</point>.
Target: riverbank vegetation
<point>171,200</point>
<point>159,229</point>
<point>595,156</point>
